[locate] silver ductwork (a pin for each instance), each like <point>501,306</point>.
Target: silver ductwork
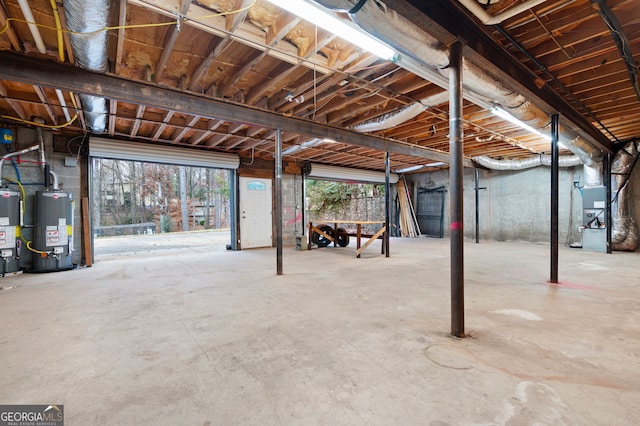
<point>401,115</point>
<point>592,175</point>
<point>428,57</point>
<point>304,145</point>
<point>526,163</point>
<point>624,230</point>
<point>86,19</point>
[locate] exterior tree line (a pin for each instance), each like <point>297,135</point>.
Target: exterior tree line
<point>134,197</point>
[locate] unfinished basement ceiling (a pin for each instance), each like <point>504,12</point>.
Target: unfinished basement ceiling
<point>253,53</point>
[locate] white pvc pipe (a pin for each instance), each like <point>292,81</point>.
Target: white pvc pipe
<point>14,154</point>
<point>28,16</point>
<point>63,103</point>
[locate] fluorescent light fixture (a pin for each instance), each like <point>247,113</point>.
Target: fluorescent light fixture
<point>409,169</point>
<point>504,114</point>
<point>419,166</point>
<point>335,26</point>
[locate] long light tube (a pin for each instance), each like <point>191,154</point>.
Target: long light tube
<point>335,26</point>
<point>504,114</point>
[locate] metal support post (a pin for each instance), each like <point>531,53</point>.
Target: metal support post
<point>555,118</point>
<point>477,189</point>
<point>278,202</point>
<point>387,203</point>
<point>235,208</point>
<point>607,183</point>
<point>456,216</point>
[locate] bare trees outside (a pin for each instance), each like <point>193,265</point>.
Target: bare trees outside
<point>134,197</point>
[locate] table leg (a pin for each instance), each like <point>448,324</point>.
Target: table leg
<point>358,232</point>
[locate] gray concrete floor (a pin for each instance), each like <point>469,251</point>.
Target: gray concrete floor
<point>106,248</point>
<point>209,337</point>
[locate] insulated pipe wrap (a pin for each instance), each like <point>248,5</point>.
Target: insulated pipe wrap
<point>402,115</point>
<point>88,18</point>
<point>526,163</point>
<point>624,231</point>
<point>592,175</point>
<point>90,51</point>
<point>415,43</point>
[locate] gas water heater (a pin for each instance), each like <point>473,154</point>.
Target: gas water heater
<point>9,229</point>
<point>53,234</point>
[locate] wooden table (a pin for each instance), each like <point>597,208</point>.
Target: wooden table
<point>359,247</point>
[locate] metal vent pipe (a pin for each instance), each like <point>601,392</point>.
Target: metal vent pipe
<point>526,163</point>
<point>624,233</point>
<point>87,19</point>
<point>429,57</point>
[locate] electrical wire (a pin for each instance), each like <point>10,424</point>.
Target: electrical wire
<point>46,126</point>
<point>56,16</point>
<point>23,202</point>
<point>118,27</point>
<point>23,198</point>
<point>13,162</point>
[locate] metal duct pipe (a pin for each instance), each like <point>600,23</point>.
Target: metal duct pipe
<point>526,163</point>
<point>592,175</point>
<point>56,186</point>
<point>86,19</point>
<point>402,115</point>
<point>624,233</point>
<point>304,145</point>
<point>386,121</point>
<point>426,56</point>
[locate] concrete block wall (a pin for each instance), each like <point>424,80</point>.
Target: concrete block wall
<point>292,202</point>
<point>516,205</point>
<point>69,180</point>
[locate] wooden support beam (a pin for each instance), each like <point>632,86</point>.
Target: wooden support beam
<point>113,110</point>
<point>163,125</point>
<point>215,49</point>
<point>170,39</point>
<point>233,20</point>
<point>122,21</point>
<point>13,38</point>
<point>45,102</point>
<point>17,108</point>
<point>185,129</point>
<point>65,34</point>
<point>21,68</point>
<point>87,254</point>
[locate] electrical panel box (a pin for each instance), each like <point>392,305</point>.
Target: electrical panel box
<point>594,201</point>
<point>6,136</point>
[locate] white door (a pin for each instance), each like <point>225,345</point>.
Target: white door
<point>255,213</point>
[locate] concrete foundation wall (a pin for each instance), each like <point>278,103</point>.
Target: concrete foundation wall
<point>515,204</point>
<point>292,201</point>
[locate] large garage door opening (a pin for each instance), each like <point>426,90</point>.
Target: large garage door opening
<point>156,206</point>
<point>143,207</point>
